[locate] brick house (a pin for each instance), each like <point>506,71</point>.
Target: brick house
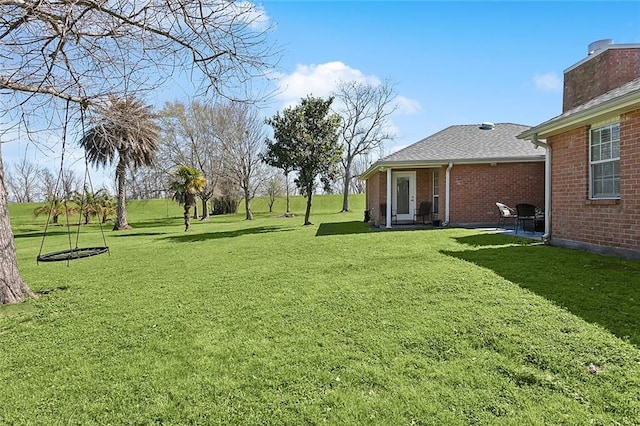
<point>593,154</point>
<point>462,170</point>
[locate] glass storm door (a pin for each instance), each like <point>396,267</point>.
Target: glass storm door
<point>404,195</point>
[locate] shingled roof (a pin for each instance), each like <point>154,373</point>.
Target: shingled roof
<point>465,144</point>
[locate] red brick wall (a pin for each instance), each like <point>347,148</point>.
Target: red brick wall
<point>605,223</point>
<point>600,74</point>
<point>475,189</point>
<point>424,184</point>
<point>376,188</point>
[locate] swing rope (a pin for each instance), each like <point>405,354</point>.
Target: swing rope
<point>72,252</point>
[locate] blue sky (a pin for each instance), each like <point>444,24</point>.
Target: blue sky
<point>452,62</point>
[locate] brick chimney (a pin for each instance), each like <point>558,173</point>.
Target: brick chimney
<point>608,66</point>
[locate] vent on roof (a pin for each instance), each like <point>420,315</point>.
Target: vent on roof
<point>487,125</point>
<point>599,45</point>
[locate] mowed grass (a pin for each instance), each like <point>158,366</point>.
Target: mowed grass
<point>271,322</point>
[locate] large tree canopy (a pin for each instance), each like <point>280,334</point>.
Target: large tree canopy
<point>306,141</point>
<point>81,52</point>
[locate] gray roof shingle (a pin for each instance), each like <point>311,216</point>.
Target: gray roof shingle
<point>469,143</point>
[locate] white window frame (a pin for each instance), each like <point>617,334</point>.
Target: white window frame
<point>436,192</point>
<point>614,128</point>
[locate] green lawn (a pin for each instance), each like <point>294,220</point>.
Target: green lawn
<point>270,322</point>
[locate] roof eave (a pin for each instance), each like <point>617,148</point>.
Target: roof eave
<point>382,165</point>
<point>624,103</point>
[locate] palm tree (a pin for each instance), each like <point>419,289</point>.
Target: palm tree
<point>126,130</point>
<point>86,203</point>
<point>55,208</point>
<point>98,203</point>
<point>106,204</point>
<point>186,185</point>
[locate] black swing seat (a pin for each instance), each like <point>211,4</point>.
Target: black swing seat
<point>72,254</point>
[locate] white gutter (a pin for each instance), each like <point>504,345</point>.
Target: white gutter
<point>446,194</point>
<point>547,185</point>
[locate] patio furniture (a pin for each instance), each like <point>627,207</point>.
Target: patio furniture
<point>424,211</point>
<point>506,213</point>
<point>539,227</point>
<point>526,217</point>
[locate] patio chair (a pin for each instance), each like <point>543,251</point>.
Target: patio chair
<point>526,214</point>
<point>424,211</point>
<point>506,213</point>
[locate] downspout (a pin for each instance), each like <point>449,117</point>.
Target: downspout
<point>388,212</point>
<point>447,183</point>
<point>547,185</point>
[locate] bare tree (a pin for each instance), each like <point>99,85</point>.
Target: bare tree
<point>75,53</point>
<point>22,181</point>
<point>274,187</point>
<point>47,184</point>
<point>360,165</point>
<point>189,138</point>
<point>70,182</point>
<point>241,132</point>
<point>365,110</point>
<point>146,183</point>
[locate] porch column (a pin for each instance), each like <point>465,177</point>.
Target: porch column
<point>447,193</point>
<point>388,212</point>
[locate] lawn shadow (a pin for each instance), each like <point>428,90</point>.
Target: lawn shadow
<point>41,233</point>
<point>599,289</point>
<point>193,237</point>
<point>167,221</point>
<point>135,234</point>
<point>342,228</point>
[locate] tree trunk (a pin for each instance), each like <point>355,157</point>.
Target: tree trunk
<point>187,219</point>
<point>121,207</point>
<point>195,210</point>
<point>12,288</point>
<point>247,206</point>
<point>286,178</point>
<point>308,212</point>
<point>346,187</point>
<point>205,210</point>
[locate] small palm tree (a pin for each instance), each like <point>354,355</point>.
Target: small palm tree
<point>186,185</point>
<point>126,130</point>
<point>86,203</point>
<point>56,208</point>
<point>106,204</point>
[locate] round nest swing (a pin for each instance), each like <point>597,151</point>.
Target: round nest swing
<point>77,252</point>
<point>71,254</point>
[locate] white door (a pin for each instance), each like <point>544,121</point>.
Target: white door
<point>404,195</point>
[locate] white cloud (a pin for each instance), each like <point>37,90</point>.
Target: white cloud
<point>407,106</point>
<point>318,80</point>
<point>549,82</point>
<point>253,15</point>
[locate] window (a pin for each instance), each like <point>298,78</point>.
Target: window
<point>605,161</point>
<point>436,189</point>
